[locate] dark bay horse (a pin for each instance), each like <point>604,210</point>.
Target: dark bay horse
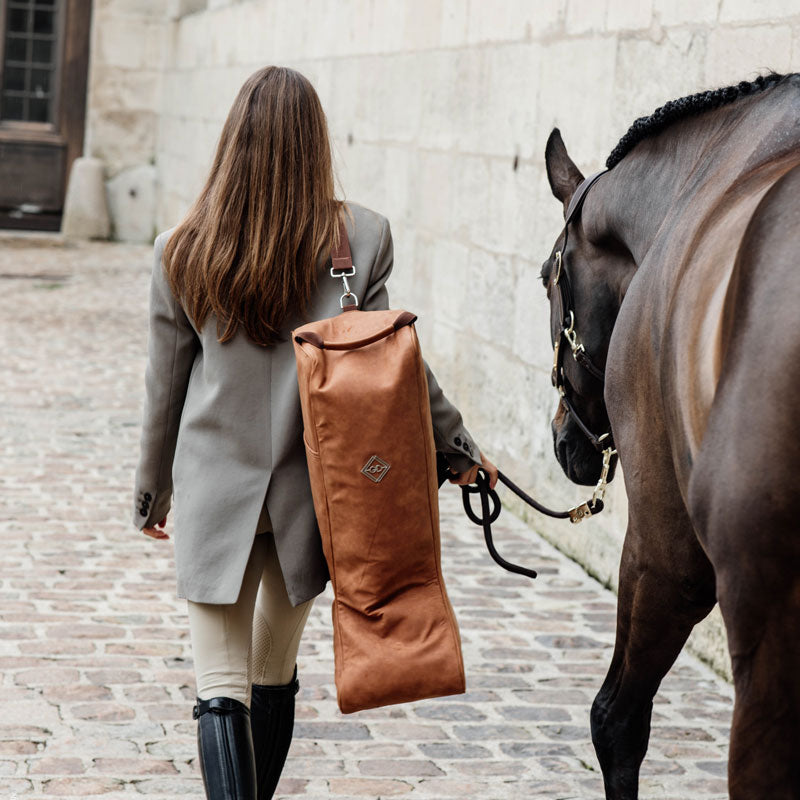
<point>681,273</point>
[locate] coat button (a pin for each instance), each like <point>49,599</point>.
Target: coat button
<point>148,496</point>
<point>467,447</point>
<point>458,441</point>
<point>143,512</point>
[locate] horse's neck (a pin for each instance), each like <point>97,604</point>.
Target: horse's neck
<point>697,165</point>
<point>686,209</point>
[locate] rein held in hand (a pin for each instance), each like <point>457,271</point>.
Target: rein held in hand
<point>489,514</point>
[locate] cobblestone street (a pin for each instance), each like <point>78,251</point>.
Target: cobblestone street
<point>96,674</point>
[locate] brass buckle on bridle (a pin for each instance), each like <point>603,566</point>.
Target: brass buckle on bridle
<point>554,371</point>
<point>595,505</point>
<point>558,267</point>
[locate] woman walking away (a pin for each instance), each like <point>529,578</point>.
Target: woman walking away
<point>222,416</point>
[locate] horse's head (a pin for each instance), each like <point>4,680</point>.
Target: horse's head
<point>581,276</point>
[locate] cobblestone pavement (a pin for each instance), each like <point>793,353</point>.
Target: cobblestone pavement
<point>97,682</point>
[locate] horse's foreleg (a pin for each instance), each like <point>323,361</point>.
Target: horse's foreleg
<point>666,586</point>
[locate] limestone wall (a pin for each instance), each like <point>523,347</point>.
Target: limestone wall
<point>440,110</point>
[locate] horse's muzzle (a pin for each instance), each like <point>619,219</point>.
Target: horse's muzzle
<point>581,463</point>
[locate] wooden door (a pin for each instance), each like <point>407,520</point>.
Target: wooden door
<point>44,57</point>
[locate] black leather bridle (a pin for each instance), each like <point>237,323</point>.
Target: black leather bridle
<point>603,443</point>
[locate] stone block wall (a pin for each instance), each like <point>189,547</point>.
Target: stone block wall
<point>440,110</point>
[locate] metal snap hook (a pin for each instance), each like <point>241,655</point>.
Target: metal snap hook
<point>572,337</point>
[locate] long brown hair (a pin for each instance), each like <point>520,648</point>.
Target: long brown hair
<point>250,247</point>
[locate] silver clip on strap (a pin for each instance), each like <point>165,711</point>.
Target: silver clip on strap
<point>344,274</point>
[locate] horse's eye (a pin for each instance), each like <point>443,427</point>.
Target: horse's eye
<point>544,275</point>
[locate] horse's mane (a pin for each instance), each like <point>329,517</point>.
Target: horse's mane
<point>684,107</point>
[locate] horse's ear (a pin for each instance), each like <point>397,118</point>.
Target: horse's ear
<point>562,173</point>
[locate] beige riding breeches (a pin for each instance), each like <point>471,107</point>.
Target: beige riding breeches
<point>255,639</point>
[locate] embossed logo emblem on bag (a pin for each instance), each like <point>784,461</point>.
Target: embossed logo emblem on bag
<point>375,469</point>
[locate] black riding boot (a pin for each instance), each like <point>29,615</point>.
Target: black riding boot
<point>225,746</point>
<point>272,722</point>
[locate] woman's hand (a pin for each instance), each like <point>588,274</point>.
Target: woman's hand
<point>464,478</point>
<point>155,533</point>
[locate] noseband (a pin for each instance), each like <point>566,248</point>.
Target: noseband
<point>604,443</point>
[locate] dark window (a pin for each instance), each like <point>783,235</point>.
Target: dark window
<point>40,81</point>
<point>13,108</point>
<point>18,19</point>
<point>28,60</point>
<point>38,109</point>
<point>42,51</point>
<point>43,21</point>
<point>16,48</point>
<point>14,79</point>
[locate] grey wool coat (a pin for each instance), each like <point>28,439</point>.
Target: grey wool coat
<point>222,432</point>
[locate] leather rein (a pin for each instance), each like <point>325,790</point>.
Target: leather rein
<point>603,443</point>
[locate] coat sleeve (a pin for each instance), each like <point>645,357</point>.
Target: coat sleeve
<point>171,348</point>
<point>451,437</point>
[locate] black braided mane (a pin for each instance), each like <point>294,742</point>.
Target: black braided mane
<point>684,107</point>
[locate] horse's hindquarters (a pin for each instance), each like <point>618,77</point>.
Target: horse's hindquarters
<point>744,496</point>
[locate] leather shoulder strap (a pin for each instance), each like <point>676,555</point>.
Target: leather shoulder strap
<point>341,259</point>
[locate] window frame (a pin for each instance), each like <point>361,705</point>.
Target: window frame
<point>27,129</point>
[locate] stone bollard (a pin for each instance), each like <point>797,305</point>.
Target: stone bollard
<point>85,208</point>
<point>132,201</point>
